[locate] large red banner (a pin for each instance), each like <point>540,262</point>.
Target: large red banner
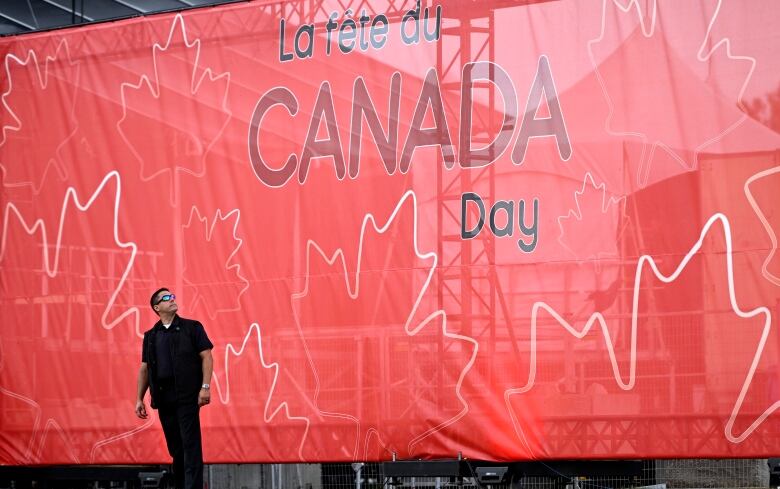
<point>512,230</point>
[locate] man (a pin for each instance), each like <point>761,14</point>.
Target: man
<point>176,366</point>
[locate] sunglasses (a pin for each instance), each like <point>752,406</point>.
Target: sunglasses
<point>165,298</point>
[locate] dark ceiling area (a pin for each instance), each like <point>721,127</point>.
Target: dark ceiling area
<point>22,16</point>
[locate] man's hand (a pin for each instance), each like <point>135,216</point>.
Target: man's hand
<point>204,397</point>
<point>140,409</point>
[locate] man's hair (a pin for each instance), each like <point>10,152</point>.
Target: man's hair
<point>154,296</point>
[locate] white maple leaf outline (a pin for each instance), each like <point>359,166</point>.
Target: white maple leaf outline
<point>627,386</point>
<point>154,89</point>
<point>16,126</point>
<point>353,293</point>
<point>51,268</point>
<point>767,227</point>
<point>219,216</point>
<point>283,406</point>
<point>576,212</point>
<point>701,55</point>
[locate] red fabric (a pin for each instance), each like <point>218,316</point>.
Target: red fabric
<point>634,316</point>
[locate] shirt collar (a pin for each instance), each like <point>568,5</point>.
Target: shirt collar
<point>159,325</point>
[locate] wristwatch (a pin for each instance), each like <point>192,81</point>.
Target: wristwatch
<point>205,386</point>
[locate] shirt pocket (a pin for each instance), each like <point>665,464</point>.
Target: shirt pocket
<point>185,347</point>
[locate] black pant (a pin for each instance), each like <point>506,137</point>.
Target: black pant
<point>181,425</point>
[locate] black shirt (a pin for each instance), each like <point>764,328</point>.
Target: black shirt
<point>164,356</point>
<point>186,339</point>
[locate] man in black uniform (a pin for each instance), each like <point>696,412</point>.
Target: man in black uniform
<point>176,366</point>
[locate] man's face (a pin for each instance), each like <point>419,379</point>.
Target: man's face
<point>166,302</point>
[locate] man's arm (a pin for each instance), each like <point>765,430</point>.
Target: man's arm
<point>207,362</point>
<point>143,385</point>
